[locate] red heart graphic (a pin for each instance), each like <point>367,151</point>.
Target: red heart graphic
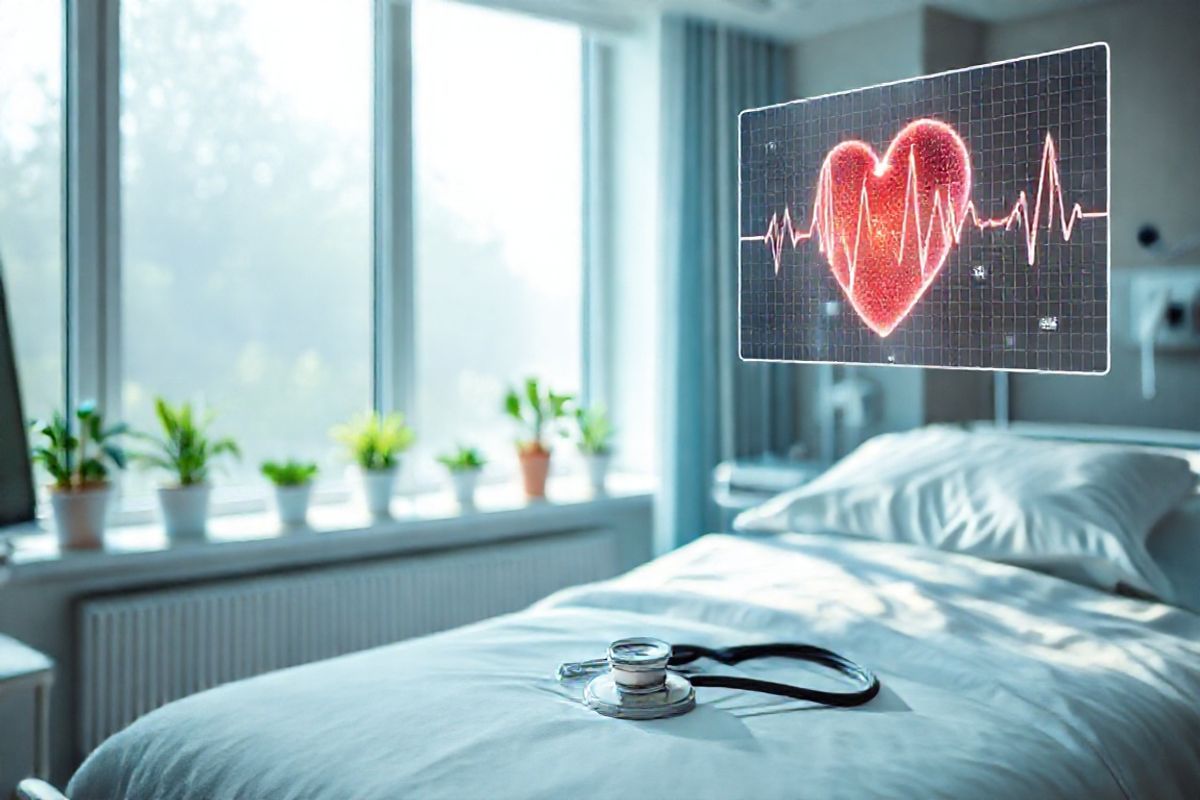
<point>894,220</point>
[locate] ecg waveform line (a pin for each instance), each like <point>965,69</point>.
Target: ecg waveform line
<point>942,215</point>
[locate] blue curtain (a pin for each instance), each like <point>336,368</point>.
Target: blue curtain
<point>715,406</point>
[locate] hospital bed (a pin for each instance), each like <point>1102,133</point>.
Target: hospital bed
<point>1030,665</point>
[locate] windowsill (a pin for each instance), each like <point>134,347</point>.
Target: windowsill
<point>241,543</point>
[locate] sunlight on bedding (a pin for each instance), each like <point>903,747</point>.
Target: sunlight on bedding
<point>996,681</point>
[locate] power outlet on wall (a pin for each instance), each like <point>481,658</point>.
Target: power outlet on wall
<point>1173,296</point>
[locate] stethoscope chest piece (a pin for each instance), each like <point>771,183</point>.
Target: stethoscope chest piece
<point>638,684</point>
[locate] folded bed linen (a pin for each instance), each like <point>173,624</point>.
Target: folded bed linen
<point>997,682</point>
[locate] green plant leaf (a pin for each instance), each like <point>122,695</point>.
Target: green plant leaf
<point>463,459</point>
<point>155,460</point>
<point>532,394</point>
<point>184,448</point>
<point>166,417</point>
<point>118,429</point>
<point>91,470</point>
<point>58,457</point>
<point>512,405</point>
<point>52,462</point>
<point>115,453</point>
<point>43,454</point>
<point>558,404</point>
<point>289,473</point>
<point>55,430</point>
<point>536,411</point>
<point>595,430</point>
<point>94,429</point>
<point>373,441</point>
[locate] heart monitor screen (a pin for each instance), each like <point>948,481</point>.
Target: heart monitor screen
<point>956,220</point>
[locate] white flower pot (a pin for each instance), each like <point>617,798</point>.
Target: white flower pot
<point>79,516</point>
<point>184,510</point>
<point>377,490</point>
<point>291,503</point>
<point>597,468</point>
<point>464,482</point>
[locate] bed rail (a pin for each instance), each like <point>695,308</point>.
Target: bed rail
<point>1111,434</point>
<point>34,789</point>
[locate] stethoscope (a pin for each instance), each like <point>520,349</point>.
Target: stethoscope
<point>639,678</point>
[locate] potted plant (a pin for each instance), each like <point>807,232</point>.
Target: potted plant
<point>79,467</point>
<point>595,443</point>
<point>293,482</point>
<point>185,451</point>
<point>464,464</point>
<point>374,442</point>
<point>537,411</point>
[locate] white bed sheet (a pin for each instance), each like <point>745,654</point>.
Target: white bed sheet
<point>998,682</point>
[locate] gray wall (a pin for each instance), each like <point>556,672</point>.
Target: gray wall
<point>1155,178</point>
<point>882,51</point>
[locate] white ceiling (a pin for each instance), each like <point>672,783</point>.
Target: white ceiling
<point>785,19</point>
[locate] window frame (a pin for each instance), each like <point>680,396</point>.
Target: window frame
<point>91,199</point>
<point>92,358</point>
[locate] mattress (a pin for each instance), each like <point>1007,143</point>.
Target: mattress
<point>997,682</point>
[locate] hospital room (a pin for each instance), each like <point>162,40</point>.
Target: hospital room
<point>599,398</point>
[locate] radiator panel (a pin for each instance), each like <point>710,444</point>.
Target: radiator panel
<point>139,651</point>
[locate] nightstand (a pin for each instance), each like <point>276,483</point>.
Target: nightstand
<point>21,668</point>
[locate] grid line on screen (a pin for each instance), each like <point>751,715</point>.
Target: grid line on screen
<point>986,308</point>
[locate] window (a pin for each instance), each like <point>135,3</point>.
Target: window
<point>497,141</point>
<point>237,271</point>
<point>31,257</point>
<point>246,217</point>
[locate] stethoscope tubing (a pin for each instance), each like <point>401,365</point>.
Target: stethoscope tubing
<point>865,679</point>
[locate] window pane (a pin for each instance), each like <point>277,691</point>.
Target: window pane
<point>31,258</point>
<point>246,180</point>
<point>498,157</point>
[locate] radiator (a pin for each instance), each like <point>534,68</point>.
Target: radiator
<point>140,651</point>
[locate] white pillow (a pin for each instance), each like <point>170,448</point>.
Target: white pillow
<point>1081,510</point>
<point>1175,546</point>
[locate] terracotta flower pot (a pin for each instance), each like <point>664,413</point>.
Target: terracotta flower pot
<point>535,466</point>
